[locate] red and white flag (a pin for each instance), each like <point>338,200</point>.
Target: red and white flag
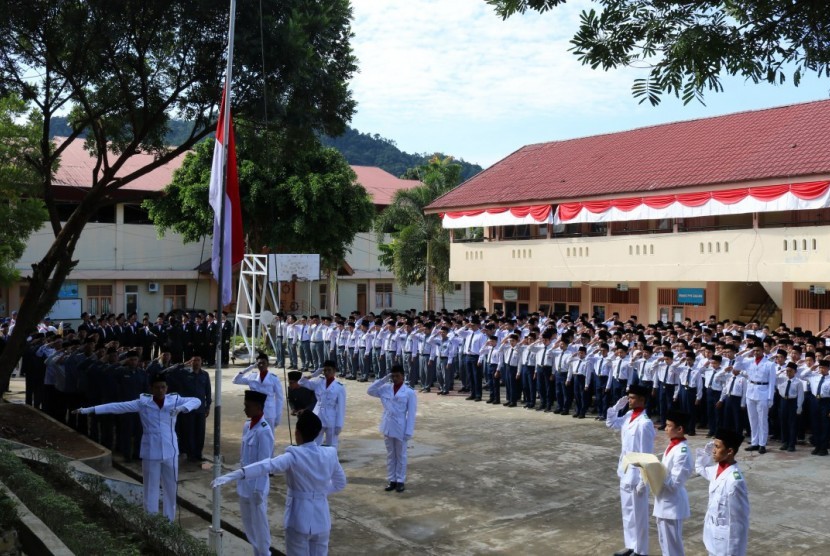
<point>234,248</point>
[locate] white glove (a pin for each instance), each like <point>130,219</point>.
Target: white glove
<point>176,410</point>
<point>641,487</point>
<point>709,449</point>
<point>769,404</point>
<point>798,412</point>
<point>86,410</point>
<point>226,478</point>
<point>338,430</point>
<point>621,403</point>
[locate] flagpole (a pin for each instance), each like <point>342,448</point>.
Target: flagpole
<point>215,533</point>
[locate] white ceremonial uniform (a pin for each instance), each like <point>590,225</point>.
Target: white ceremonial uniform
<point>312,472</point>
<point>671,506</point>
<point>726,525</point>
<point>637,436</point>
<point>397,424</point>
<point>760,393</point>
<point>271,387</point>
<point>257,445</point>
<point>330,407</point>
<point>159,444</point>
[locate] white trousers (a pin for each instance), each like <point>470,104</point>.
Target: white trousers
<point>395,459</point>
<point>331,439</point>
<point>160,473</point>
<point>670,534</point>
<point>254,512</point>
<point>303,544</point>
<point>635,518</point>
<point>758,424</point>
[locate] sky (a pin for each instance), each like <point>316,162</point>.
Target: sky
<point>451,76</point>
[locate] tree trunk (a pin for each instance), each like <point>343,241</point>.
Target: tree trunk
<point>47,277</point>
<point>428,280</point>
<point>332,292</point>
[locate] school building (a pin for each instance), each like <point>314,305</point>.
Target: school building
<point>723,216</point>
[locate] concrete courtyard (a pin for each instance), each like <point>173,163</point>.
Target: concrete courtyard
<point>486,479</point>
<point>493,480</point>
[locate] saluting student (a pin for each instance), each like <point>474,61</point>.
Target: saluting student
<point>397,424</point>
<point>159,444</point>
<point>257,378</point>
<point>637,432</point>
<point>726,525</point>
<point>331,402</point>
<point>257,445</point>
<point>671,506</point>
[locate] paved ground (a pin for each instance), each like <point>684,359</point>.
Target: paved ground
<point>493,480</point>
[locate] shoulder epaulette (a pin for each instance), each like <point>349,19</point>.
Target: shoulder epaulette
<point>737,475</point>
<point>263,424</point>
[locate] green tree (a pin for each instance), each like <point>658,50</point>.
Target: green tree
<point>21,215</point>
<point>688,46</point>
<point>309,202</point>
<point>122,70</point>
<point>419,252</point>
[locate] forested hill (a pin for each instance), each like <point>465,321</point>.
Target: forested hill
<point>365,149</point>
<point>360,149</point>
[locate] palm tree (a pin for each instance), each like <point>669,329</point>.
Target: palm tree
<point>419,252</point>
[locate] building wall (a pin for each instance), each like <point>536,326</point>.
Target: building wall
<point>126,257</point>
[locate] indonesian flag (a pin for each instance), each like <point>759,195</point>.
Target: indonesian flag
<point>233,248</point>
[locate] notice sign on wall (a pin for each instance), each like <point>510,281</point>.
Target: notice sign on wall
<point>691,296</point>
<point>287,268</point>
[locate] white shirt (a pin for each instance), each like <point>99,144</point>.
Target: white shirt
<point>271,386</point>
<point>673,501</point>
<point>399,408</point>
<point>331,400</point>
<point>257,445</point>
<point>726,525</point>
<point>637,436</point>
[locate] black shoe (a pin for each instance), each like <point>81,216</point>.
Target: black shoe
<point>784,447</point>
<point>814,451</point>
<point>512,404</point>
<point>752,448</point>
<point>549,410</point>
<point>624,552</point>
<point>822,453</point>
<point>506,404</point>
<point>581,417</point>
<point>710,435</point>
<point>693,433</point>
<point>470,398</point>
<point>762,449</point>
<point>791,449</point>
<point>661,428</point>
<point>540,408</point>
<point>477,399</point>
<point>574,416</point>
<point>391,486</point>
<point>489,401</point>
<point>400,487</point>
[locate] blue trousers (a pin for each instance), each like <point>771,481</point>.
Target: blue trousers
<point>788,416</point>
<point>600,383</point>
<point>528,385</point>
<point>714,416</point>
<point>581,396</point>
<point>666,394</point>
<point>687,398</point>
<point>733,414</point>
<point>564,397</point>
<point>543,386</point>
<point>511,384</point>
<point>494,383</point>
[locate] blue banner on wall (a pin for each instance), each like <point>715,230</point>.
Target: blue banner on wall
<point>691,296</point>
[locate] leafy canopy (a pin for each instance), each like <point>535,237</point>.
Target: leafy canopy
<point>20,213</point>
<point>309,202</point>
<point>419,250</point>
<point>688,46</point>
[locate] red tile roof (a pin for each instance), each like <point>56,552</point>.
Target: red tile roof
<point>380,184</point>
<point>783,142</point>
<point>76,166</point>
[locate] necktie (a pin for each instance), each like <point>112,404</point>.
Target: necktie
<point>469,343</point>
<point>820,382</point>
<point>578,365</point>
<point>732,384</point>
<point>688,377</point>
<point>787,389</point>
<point>617,374</point>
<point>545,355</point>
<point>510,357</point>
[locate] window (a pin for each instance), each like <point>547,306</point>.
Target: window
<point>99,299</point>
<point>136,214</point>
<point>175,297</point>
<point>383,295</point>
<point>324,300</point>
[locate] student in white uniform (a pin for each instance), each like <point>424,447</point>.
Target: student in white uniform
<point>637,433</point>
<point>159,443</point>
<point>671,506</point>
<point>397,424</point>
<point>257,445</point>
<point>312,472</point>
<point>257,378</point>
<point>331,402</point>
<point>726,525</point>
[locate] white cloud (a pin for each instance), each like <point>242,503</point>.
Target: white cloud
<point>428,60</point>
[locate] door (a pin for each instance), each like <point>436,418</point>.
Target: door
<point>509,308</point>
<point>361,299</point>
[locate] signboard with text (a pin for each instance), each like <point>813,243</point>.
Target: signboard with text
<point>691,296</point>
